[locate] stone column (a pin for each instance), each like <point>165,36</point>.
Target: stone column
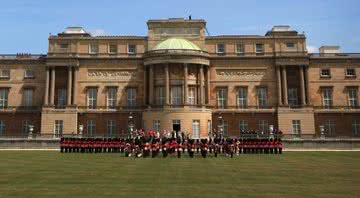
<point>186,88</point>
<point>75,84</point>
<point>279,85</point>
<point>307,84</point>
<point>202,94</point>
<point>302,86</point>
<point>208,85</point>
<point>285,85</point>
<point>69,86</point>
<point>151,84</point>
<point>145,83</point>
<point>167,85</point>
<point>46,99</point>
<point>52,88</point>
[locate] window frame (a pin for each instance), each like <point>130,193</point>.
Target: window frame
<point>195,129</point>
<point>93,46</point>
<point>347,75</point>
<point>242,102</point>
<point>326,75</point>
<point>5,73</point>
<point>2,127</point>
<point>222,101</point>
<point>156,124</point>
<point>28,99</point>
<point>237,51</point>
<point>4,98</point>
<point>91,127</point>
<point>112,45</point>
<point>176,95</point>
<point>110,127</point>
<point>111,98</point>
<point>261,97</point>
<point>92,97</point>
<point>327,97</point>
<point>130,97</point>
<point>296,127</point>
<point>160,95</point>
<point>243,125</point>
<point>257,51</point>
<point>58,128</point>
<point>356,127</point>
<point>134,49</point>
<point>352,93</point>
<point>223,52</point>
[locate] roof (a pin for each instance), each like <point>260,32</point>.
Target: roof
<point>176,43</point>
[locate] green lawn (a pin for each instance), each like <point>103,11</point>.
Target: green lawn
<point>293,174</point>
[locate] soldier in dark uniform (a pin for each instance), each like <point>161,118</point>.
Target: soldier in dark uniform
<point>216,146</point>
<point>191,147</point>
<point>165,147</point>
<point>204,148</point>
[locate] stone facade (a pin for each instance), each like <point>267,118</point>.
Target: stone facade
<point>106,83</point>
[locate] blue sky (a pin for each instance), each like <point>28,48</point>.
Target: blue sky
<point>26,24</point>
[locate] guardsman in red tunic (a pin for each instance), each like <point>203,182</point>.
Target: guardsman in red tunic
<point>179,148</point>
<point>216,146</point>
<point>204,147</point>
<point>128,148</point>
<point>191,147</point>
<point>61,144</point>
<point>147,148</point>
<point>165,147</point>
<point>155,148</point>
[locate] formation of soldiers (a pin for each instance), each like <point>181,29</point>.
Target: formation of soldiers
<point>151,145</point>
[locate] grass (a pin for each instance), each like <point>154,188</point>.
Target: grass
<point>293,174</point>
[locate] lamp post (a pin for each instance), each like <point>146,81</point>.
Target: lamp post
<point>31,130</point>
<point>81,128</point>
<point>271,129</point>
<point>130,125</point>
<point>322,132</point>
<point>220,126</point>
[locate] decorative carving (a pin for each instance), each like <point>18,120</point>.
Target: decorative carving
<point>240,73</point>
<point>111,74</point>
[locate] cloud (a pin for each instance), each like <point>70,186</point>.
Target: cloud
<point>98,32</point>
<point>312,49</point>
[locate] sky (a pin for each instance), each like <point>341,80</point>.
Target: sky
<point>26,24</point>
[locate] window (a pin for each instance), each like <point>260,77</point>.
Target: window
<point>91,127</point>
<point>240,49</point>
<point>325,73</point>
<point>29,73</point>
<point>93,48</point>
<point>28,97</point>
<point>222,98</point>
<point>176,95</point>
<point>329,127</point>
<point>224,127</point>
<point>196,129</point>
<point>296,127</point>
<point>25,126</point>
<point>209,127</point>
<point>111,97</point>
<point>111,127</point>
<point>156,125</point>
<point>263,125</point>
<point>131,97</point>
<point>92,98</point>
<point>292,97</point>
<point>59,127</point>
<point>112,49</point>
<point>159,95</point>
<point>131,49</point>
<point>242,97</point>
<point>350,72</point>
<point>64,45</point>
<point>259,48</point>
<point>262,96</point>
<point>290,45</point>
<point>61,98</point>
<point>243,125</point>
<point>4,93</point>
<point>5,73</point>
<point>356,127</point>
<point>192,96</point>
<point>220,48</point>
<point>353,97</point>
<point>2,127</point>
<point>327,97</point>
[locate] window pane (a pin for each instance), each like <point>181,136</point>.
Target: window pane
<point>4,98</point>
<point>28,97</point>
<point>111,98</point>
<point>131,97</point>
<point>292,96</point>
<point>92,98</point>
<point>160,95</point>
<point>222,98</point>
<point>192,96</point>
<point>262,97</point>
<point>176,95</point>
<point>196,129</point>
<point>242,97</point>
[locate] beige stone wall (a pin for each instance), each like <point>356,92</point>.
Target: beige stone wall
<point>48,121</point>
<point>306,118</point>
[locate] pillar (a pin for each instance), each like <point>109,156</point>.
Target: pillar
<point>302,86</point>
<point>202,94</point>
<point>46,99</point>
<point>307,88</point>
<point>279,85</point>
<point>208,85</point>
<point>186,88</point>
<point>69,86</point>
<point>52,88</point>
<point>167,85</point>
<point>151,84</point>
<point>285,89</point>
<point>75,84</point>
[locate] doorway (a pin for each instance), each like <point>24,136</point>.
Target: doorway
<point>176,127</point>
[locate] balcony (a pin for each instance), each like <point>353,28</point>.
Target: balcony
<point>20,109</point>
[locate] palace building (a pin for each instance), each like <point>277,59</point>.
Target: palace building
<point>180,78</point>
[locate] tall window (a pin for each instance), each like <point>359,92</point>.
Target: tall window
<point>4,93</point>
<point>262,96</point>
<point>296,127</point>
<point>330,127</point>
<point>156,125</point>
<point>160,95</point>
<point>240,49</point>
<point>131,49</point>
<point>131,97</point>
<point>112,49</point>
<point>91,127</point>
<point>61,99</point>
<point>111,127</point>
<point>292,97</point>
<point>111,97</point>
<point>259,48</point>
<point>263,125</point>
<point>25,126</point>
<point>221,98</point>
<point>58,128</point>
<point>356,127</point>
<point>2,127</point>
<point>28,97</point>
<point>353,97</point>
<point>243,125</point>
<point>196,129</point>
<point>5,73</point>
<point>93,48</point>
<point>327,97</point>
<point>220,48</point>
<point>192,96</point>
<point>242,97</point>
<point>92,98</point>
<point>225,127</point>
<point>176,95</point>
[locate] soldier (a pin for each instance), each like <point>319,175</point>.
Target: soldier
<point>216,146</point>
<point>191,147</point>
<point>165,147</point>
<point>197,145</point>
<point>128,149</point>
<point>179,148</point>
<point>204,148</point>
<point>147,148</point>
<point>155,147</point>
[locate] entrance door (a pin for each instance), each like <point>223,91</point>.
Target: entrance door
<point>176,127</point>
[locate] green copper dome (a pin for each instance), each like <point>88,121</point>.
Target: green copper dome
<point>176,43</point>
